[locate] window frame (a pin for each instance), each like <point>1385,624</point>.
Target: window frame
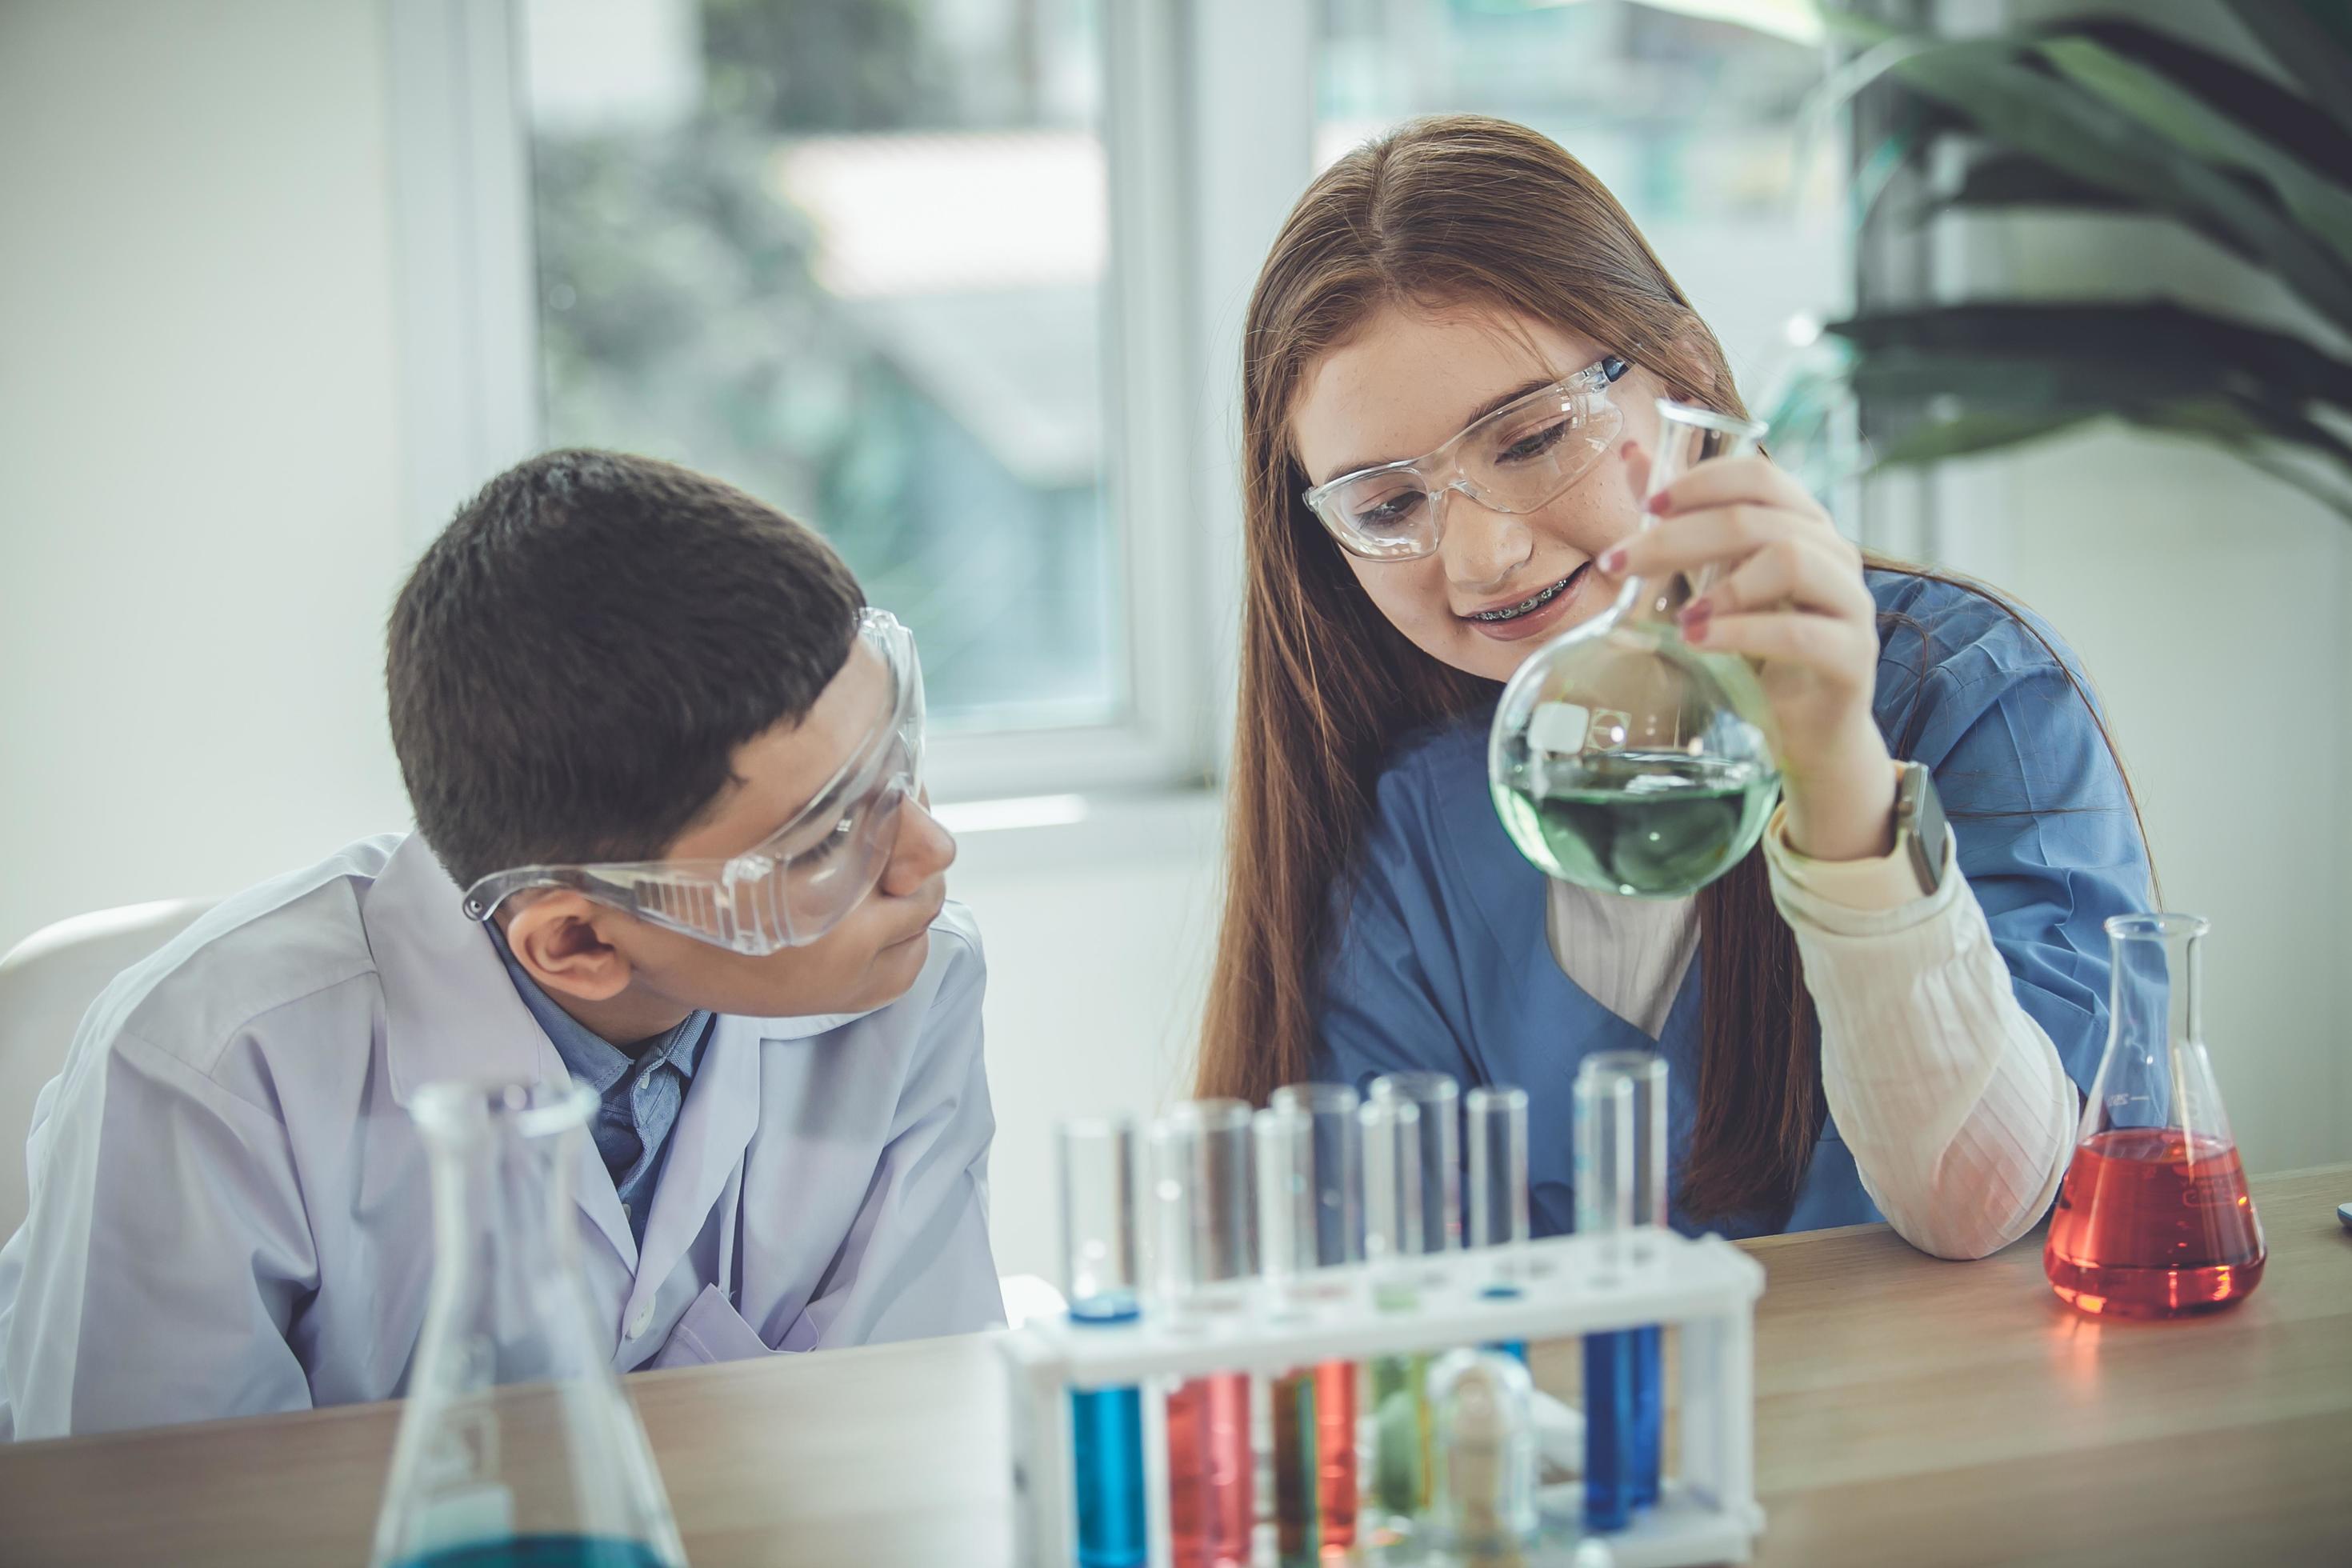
<point>472,396</point>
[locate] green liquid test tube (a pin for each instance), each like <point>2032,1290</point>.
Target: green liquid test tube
<point>1413,1212</point>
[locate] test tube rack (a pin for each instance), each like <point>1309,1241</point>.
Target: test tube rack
<point>1539,1290</point>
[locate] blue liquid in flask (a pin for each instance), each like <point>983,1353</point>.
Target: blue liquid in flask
<point>543,1551</point>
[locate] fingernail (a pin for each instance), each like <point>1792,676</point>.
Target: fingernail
<point>1695,627</point>
<point>1612,561</point>
<point>1659,503</point>
<point>1696,612</point>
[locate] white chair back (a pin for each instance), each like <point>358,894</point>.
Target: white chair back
<point>47,983</point>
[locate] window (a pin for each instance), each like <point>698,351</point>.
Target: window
<point>849,255</point>
<point>1692,122</point>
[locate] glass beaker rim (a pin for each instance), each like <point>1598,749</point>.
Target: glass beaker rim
<point>1489,1097</point>
<point>1205,1116</point>
<point>1090,1128</point>
<point>1711,419</point>
<point>2159,924</point>
<point>1417,1087</point>
<point>1315,1099</point>
<point>454,1107</point>
<point>1643,1066</point>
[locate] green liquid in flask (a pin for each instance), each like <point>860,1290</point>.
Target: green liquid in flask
<point>1650,825</point>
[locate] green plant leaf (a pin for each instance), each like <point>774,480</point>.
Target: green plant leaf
<point>2257,101</point>
<point>1987,375</point>
<point>2190,124</point>
<point>2059,123</point>
<point>2313,40</point>
<point>2063,124</point>
<point>2021,180</point>
<point>2154,339</point>
<point>1973,432</point>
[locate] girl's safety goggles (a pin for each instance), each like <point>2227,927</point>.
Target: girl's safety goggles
<point>1515,459</point>
<point>804,878</point>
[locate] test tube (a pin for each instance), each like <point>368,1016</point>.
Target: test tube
<point>1497,1115</point>
<point>1205,1246</point>
<point>1310,1170</point>
<point>1621,1188</point>
<point>1097,1171</point>
<point>1392,1244</point>
<point>1402,1430</point>
<point>1392,1199</point>
<point>1483,1506</point>
<point>1438,1099</point>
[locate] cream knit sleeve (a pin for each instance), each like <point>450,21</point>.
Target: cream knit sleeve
<point>1950,1096</point>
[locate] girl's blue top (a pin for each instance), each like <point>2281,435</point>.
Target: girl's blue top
<point>1440,961</point>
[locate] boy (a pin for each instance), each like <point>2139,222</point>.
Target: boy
<point>671,844</point>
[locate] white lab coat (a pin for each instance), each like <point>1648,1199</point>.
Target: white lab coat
<point>231,1212</point>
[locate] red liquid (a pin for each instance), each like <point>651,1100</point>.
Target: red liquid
<point>1335,1449</point>
<point>1210,1507</point>
<point>2154,1224</point>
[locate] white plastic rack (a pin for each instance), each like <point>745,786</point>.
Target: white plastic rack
<point>1543,1291</point>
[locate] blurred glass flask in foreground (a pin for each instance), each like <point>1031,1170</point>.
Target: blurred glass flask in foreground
<point>554,1472</point>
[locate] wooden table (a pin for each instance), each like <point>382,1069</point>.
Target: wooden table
<point>1908,1411</point>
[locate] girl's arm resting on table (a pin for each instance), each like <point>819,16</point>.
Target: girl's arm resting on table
<point>1955,1027</point>
<point>1951,1097</point>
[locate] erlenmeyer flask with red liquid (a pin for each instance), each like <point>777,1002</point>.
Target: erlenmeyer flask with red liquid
<point>2154,1219</point>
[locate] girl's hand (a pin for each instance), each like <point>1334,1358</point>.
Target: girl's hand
<point>1789,595</point>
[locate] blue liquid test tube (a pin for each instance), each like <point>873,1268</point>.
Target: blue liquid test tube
<point>1098,1179</point>
<point>1497,1116</point>
<point>1621,1189</point>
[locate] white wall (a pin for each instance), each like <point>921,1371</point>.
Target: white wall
<point>2210,604</point>
<point>197,451</point>
<point>1098,938</point>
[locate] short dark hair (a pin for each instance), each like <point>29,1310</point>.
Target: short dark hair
<point>574,661</point>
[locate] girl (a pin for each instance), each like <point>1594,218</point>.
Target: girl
<point>1449,376</point>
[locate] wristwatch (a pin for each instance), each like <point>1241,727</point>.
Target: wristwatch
<point>1919,826</point>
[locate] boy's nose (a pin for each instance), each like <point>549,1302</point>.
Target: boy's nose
<point>922,851</point>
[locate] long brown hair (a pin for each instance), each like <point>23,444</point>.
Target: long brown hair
<point>1446,212</point>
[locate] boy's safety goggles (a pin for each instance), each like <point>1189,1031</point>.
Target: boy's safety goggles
<point>804,878</point>
<point>1515,459</point>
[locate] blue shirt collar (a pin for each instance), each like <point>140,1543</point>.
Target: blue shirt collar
<point>590,1058</point>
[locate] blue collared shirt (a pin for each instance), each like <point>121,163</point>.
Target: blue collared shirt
<point>1440,958</point>
<point>642,1090</point>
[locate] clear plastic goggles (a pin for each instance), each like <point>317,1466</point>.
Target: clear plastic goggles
<point>804,878</point>
<point>1515,459</point>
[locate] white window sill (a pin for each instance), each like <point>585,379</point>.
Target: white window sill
<point>1030,834</point>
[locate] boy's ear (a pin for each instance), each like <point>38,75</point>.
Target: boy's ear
<point>555,938</point>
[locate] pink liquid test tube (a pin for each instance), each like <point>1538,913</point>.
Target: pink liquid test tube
<point>1311,1220</point>
<point>1204,1203</point>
